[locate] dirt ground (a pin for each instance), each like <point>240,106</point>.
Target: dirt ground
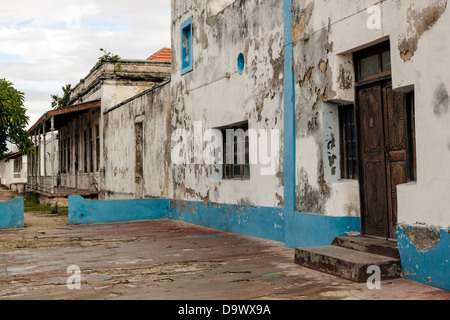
<point>37,221</point>
<point>6,195</point>
<point>41,221</point>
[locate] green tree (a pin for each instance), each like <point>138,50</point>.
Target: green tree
<point>62,102</point>
<point>13,120</point>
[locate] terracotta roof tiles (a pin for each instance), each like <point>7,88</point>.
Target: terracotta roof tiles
<point>165,54</point>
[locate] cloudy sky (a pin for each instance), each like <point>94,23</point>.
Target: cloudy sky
<point>47,44</point>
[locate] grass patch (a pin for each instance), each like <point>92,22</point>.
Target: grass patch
<point>31,204</point>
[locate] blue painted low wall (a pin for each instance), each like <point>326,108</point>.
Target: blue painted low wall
<point>425,254</point>
<point>261,222</point>
<point>313,230</point>
<point>296,230</point>
<point>11,214</point>
<point>83,211</point>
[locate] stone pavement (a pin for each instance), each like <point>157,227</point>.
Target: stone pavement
<point>170,260</point>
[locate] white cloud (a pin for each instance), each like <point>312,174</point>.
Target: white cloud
<point>49,43</point>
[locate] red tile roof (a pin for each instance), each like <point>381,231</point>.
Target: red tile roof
<point>72,109</point>
<point>165,54</point>
<point>14,154</point>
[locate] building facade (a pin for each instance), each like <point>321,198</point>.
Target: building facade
<point>361,100</point>
<point>73,162</point>
<point>294,121</point>
<point>13,172</point>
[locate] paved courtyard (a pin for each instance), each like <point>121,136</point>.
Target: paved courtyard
<point>166,260</point>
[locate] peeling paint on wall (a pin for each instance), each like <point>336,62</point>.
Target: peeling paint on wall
<point>425,254</point>
<point>423,239</point>
<point>345,78</point>
<point>420,21</point>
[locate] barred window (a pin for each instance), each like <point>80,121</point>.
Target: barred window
<point>18,165</point>
<point>349,152</point>
<point>236,152</point>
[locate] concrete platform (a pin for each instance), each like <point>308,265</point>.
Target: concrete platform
<point>346,263</point>
<point>351,257</point>
<point>169,260</point>
<point>369,245</point>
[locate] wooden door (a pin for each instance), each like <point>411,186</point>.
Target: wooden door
<point>139,164</point>
<point>396,141</point>
<point>383,145</point>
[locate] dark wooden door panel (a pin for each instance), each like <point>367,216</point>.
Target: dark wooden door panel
<point>397,175</point>
<point>375,203</point>
<point>372,159</point>
<point>396,150</point>
<point>383,141</point>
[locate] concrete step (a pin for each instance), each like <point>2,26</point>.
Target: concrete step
<point>347,263</point>
<point>369,245</point>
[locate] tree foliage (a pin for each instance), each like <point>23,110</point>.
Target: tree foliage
<point>62,102</point>
<point>13,120</point>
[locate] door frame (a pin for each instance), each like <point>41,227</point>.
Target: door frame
<point>410,149</point>
<point>381,82</point>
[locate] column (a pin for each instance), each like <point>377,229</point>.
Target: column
<point>39,162</point>
<point>44,134</point>
<point>52,153</point>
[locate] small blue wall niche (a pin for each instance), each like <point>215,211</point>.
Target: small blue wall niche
<point>241,63</point>
<point>186,46</point>
<point>11,214</point>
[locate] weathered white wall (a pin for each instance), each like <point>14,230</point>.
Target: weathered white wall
<point>113,83</point>
<point>216,94</point>
<point>153,110</point>
<point>3,172</point>
<point>7,173</point>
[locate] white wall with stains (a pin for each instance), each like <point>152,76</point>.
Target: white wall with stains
<point>323,64</point>
<point>151,109</point>
<point>217,95</point>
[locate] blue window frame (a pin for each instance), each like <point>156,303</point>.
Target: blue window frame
<point>186,46</point>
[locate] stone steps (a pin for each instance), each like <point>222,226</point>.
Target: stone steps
<point>351,257</point>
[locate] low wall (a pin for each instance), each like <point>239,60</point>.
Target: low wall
<point>425,254</point>
<point>11,214</point>
<point>313,230</point>
<point>261,222</point>
<point>296,230</point>
<point>83,211</point>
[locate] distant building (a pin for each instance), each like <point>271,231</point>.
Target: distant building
<point>13,171</point>
<point>78,151</point>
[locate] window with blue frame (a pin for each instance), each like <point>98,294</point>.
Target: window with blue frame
<point>186,46</point>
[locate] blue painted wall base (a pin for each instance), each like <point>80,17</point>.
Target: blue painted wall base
<point>261,222</point>
<point>425,254</point>
<point>83,211</point>
<point>296,230</point>
<point>313,230</point>
<point>11,214</point>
